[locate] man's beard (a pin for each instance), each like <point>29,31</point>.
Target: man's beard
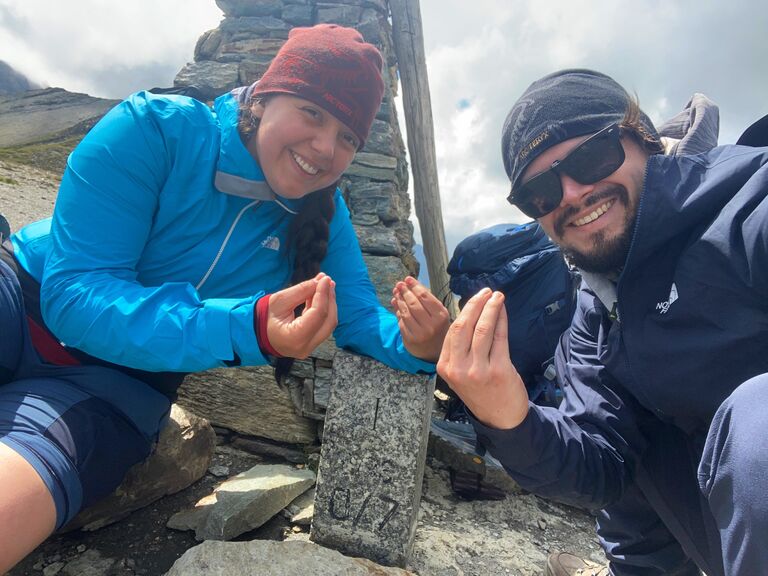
<point>607,254</point>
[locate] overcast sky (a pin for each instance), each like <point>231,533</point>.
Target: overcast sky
<point>481,55</point>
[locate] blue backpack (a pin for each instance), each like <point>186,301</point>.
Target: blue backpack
<point>540,289</point>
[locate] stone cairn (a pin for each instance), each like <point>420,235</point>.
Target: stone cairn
<point>237,53</point>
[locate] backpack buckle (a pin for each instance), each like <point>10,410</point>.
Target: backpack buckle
<point>552,308</point>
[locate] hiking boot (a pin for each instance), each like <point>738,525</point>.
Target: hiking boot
<point>565,564</point>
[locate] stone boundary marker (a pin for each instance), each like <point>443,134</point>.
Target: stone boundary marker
<point>372,460</point>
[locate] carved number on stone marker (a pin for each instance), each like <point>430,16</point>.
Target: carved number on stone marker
<point>388,515</point>
<point>340,515</point>
<point>334,513</point>
<point>362,509</point>
<point>376,413</point>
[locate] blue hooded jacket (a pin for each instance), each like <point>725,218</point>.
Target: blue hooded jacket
<point>162,242</point>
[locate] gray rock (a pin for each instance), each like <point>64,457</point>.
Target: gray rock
<point>263,409</point>
<point>212,78</point>
<point>301,510</point>
<point>298,15</point>
<point>373,166</point>
<point>403,231</point>
<point>90,563</point>
<point>322,387</point>
<point>379,199</point>
<point>253,27</point>
<point>274,558</point>
<point>365,219</point>
<point>219,471</point>
<point>53,569</point>
<point>326,350</point>
<point>239,50</point>
<point>251,70</point>
<point>182,456</point>
<point>372,460</point>
<point>339,14</point>
<point>375,28</point>
<point>303,369</point>
<point>292,454</point>
<point>378,240</point>
<point>207,45</point>
<point>385,271</point>
<point>381,140</point>
<point>375,160</point>
<point>250,8</point>
<point>244,502</point>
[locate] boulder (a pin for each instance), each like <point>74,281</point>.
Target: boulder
<point>248,401</point>
<point>274,558</point>
<point>244,502</point>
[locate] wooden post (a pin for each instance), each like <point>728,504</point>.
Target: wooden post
<point>409,47</point>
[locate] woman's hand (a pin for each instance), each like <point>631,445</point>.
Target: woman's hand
<point>475,363</point>
<point>297,336</point>
<point>422,318</point>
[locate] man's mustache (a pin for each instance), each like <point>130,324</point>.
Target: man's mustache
<point>612,190</point>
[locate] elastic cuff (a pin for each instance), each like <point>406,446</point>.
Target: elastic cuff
<point>59,476</point>
<point>260,327</point>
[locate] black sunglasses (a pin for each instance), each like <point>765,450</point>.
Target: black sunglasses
<point>596,158</point>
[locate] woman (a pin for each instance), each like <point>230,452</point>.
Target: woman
<point>175,232</point>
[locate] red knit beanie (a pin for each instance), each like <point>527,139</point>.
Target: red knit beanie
<point>333,67</point>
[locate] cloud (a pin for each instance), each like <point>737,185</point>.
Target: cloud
<point>489,51</point>
<point>481,55</point>
<point>106,49</point>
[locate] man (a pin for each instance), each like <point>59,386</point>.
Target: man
<point>665,365</point>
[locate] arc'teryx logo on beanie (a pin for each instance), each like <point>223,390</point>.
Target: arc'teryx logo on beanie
<point>533,144</point>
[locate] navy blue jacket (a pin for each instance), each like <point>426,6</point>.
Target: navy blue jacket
<point>640,392</point>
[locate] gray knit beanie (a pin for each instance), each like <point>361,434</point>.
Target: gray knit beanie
<point>560,106</point>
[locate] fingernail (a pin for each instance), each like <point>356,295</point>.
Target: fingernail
<point>484,291</point>
<point>410,281</point>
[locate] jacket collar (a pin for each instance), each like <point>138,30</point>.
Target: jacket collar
<point>682,192</point>
<point>679,194</point>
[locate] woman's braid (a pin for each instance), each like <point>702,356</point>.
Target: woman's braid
<point>308,243</point>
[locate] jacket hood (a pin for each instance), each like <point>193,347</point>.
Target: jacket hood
<point>681,192</point>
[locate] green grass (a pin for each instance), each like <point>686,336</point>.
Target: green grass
<point>50,156</point>
<point>6,180</point>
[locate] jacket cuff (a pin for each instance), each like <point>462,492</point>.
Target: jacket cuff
<point>260,317</point>
<point>229,326</point>
<point>515,448</point>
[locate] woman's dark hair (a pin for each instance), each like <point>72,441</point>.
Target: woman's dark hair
<point>309,231</point>
<point>632,125</point>
<point>308,245</point>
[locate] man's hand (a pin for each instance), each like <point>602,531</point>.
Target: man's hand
<point>422,318</point>
<point>298,336</point>
<point>475,363</point>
